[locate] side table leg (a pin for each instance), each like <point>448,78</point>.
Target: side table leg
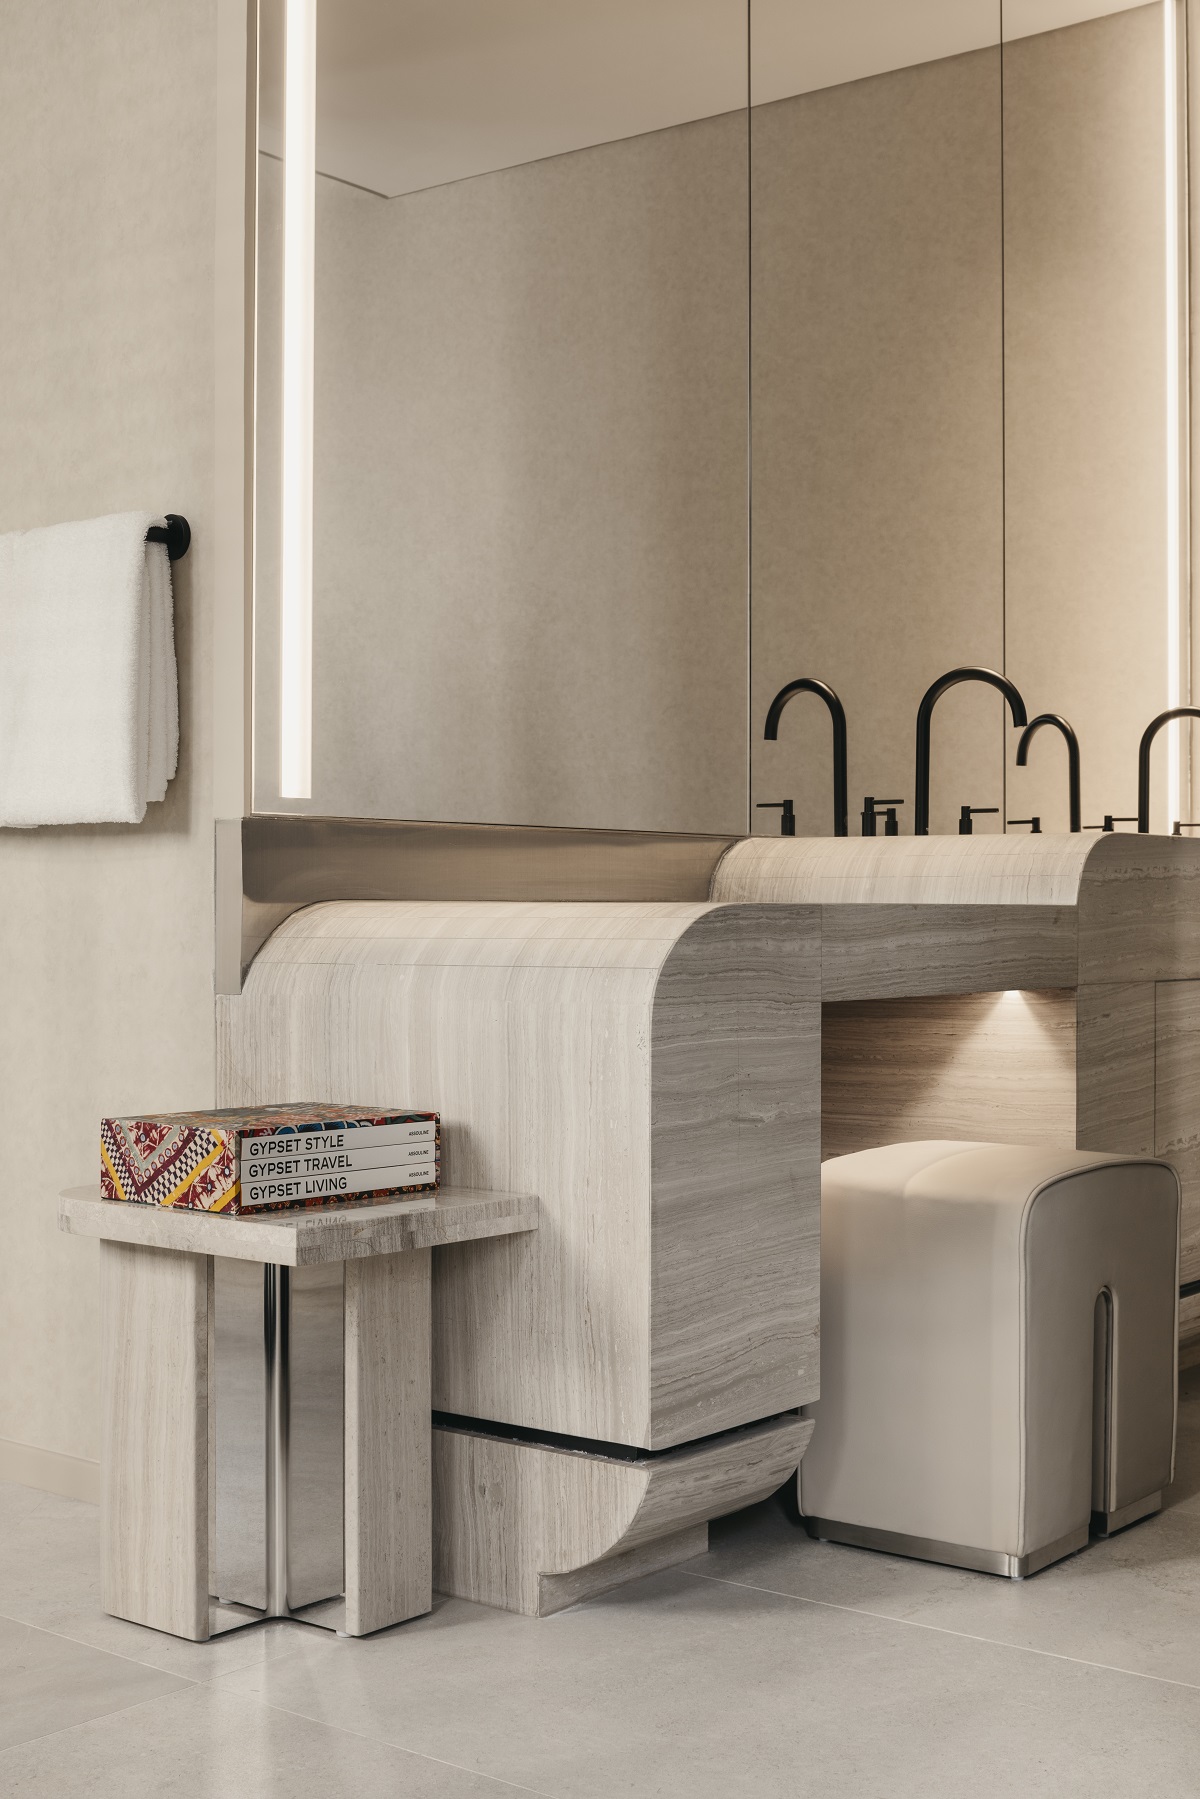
<point>388,1509</point>
<point>154,1383</point>
<point>277,1316</point>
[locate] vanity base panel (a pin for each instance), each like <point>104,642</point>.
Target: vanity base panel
<point>557,1591</point>
<point>955,1555</point>
<point>533,1528</point>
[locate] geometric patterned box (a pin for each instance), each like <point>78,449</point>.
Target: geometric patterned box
<point>256,1158</point>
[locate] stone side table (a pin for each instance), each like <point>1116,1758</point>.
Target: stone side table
<point>284,1408</point>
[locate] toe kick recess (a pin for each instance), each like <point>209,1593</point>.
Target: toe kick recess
<point>534,1529</point>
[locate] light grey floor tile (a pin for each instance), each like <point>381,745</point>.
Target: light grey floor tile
<point>50,1577</point>
<point>48,1683</point>
<point>684,1688</point>
<point>207,1744</point>
<point>1132,1602</point>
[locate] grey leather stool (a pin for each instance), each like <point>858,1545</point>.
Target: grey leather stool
<point>998,1351</point>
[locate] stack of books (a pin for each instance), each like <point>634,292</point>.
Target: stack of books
<point>268,1157</point>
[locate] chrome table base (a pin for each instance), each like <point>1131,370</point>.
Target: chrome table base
<point>226,1614</point>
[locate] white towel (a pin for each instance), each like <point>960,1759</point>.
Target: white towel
<point>89,696</point>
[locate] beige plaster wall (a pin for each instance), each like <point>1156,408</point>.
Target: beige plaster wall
<point>107,122</point>
<point>530,538</point>
<point>877,476</point>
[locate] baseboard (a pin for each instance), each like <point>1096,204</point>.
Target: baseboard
<point>50,1471</point>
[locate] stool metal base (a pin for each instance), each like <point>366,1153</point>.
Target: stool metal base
<point>954,1555</point>
<point>1106,1524</point>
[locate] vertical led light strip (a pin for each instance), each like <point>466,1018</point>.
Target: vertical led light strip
<point>296,508</point>
<point>1176,695</point>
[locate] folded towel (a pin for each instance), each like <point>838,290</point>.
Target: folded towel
<point>89,697</point>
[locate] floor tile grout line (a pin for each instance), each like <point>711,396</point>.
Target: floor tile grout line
<point>195,1680</point>
<point>362,1736</point>
<point>118,1711</point>
<point>282,1711</point>
<point>945,1630</point>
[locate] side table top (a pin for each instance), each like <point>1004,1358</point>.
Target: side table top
<point>299,1239</point>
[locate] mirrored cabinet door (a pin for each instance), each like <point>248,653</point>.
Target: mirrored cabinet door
<point>968,400</point>
<point>877,394</point>
<point>628,404</point>
<point>1092,398</point>
<point>529,427</point>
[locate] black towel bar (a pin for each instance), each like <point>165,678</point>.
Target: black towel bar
<point>176,534</point>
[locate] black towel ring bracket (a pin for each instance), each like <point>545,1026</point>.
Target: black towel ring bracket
<point>176,534</point>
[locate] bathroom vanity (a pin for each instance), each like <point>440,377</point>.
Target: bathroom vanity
<point>666,1075</point>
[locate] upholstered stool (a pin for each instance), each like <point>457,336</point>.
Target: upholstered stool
<point>998,1351</point>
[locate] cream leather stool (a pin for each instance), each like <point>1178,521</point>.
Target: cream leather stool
<point>998,1351</point>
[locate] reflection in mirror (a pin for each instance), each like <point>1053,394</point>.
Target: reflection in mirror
<point>1091,397</point>
<point>529,466</point>
<point>877,389</point>
<point>966,395</point>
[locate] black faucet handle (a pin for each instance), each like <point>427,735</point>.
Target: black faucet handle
<point>787,821</point>
<point>1110,822</point>
<point>873,809</point>
<point>967,813</point>
<point>1034,823</point>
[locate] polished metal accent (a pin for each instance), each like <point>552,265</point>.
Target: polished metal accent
<point>238,1412</point>
<point>271,866</point>
<point>276,1309</point>
<point>278,1441</point>
<point>954,1555</point>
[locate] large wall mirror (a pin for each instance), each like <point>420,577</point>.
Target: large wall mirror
<point>529,412</point>
<point>663,352</point>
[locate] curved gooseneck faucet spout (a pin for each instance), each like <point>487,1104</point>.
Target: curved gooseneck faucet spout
<point>1060,723</point>
<point>1144,748</point>
<point>837,713</point>
<point>925,713</point>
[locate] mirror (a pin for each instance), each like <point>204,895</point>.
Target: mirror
<point>529,469</point>
<point>962,398</point>
<point>632,402</point>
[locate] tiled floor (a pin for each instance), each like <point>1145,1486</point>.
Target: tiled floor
<point>772,1667</point>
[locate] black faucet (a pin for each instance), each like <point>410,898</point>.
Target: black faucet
<point>873,810</point>
<point>1027,736</point>
<point>925,713</point>
<point>967,813</point>
<point>787,812</point>
<point>1144,748</point>
<point>837,713</point>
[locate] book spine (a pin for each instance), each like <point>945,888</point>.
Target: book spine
<point>351,1139</point>
<point>289,1165</point>
<point>333,1186</point>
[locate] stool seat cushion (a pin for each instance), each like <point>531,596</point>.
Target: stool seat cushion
<point>962,1390</point>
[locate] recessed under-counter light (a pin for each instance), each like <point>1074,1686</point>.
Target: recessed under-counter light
<point>296,498</point>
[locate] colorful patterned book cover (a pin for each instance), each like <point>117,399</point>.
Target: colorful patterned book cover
<point>194,1159</point>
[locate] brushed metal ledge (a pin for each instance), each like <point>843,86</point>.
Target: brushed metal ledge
<point>954,1555</point>
<point>269,867</point>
